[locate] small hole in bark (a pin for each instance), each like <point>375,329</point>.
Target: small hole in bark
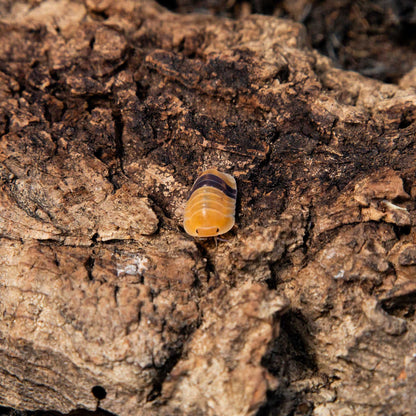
<point>99,153</point>
<point>89,265</point>
<point>99,392</point>
<point>402,306</point>
<point>141,91</point>
<point>402,230</point>
<point>407,185</point>
<point>283,74</point>
<point>100,15</point>
<point>54,75</point>
<point>35,64</point>
<point>169,4</point>
<point>181,46</point>
<point>6,124</point>
<point>405,122</point>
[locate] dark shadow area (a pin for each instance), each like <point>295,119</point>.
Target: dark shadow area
<point>289,359</point>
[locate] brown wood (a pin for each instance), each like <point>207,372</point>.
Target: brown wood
<point>108,112</point>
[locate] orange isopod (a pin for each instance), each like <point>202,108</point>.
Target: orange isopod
<point>210,210</point>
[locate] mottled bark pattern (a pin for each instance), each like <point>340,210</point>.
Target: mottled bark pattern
<point>109,110</point>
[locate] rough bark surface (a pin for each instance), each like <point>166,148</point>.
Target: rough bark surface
<point>108,111</point>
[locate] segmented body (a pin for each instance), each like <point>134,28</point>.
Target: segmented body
<point>210,210</point>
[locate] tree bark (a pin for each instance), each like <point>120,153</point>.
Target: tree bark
<point>108,112</point>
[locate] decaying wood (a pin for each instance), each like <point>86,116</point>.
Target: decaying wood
<point>108,111</point>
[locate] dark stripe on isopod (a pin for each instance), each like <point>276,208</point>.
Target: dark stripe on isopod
<point>216,182</point>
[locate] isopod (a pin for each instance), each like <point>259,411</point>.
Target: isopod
<point>210,210</point>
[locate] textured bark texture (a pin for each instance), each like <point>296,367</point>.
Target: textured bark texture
<point>108,112</point>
